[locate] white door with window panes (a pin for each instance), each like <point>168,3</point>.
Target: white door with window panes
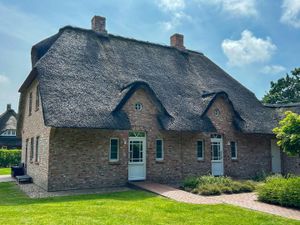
<point>136,156</point>
<point>217,164</point>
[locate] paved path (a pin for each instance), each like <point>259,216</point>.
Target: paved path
<point>175,194</point>
<point>246,200</point>
<point>6,178</point>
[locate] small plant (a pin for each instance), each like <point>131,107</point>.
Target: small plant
<point>260,176</point>
<point>190,182</point>
<point>281,191</point>
<point>210,189</point>
<point>210,185</point>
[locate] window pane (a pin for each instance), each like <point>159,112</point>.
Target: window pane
<point>114,148</point>
<point>31,148</point>
<point>37,149</point>
<point>159,149</point>
<point>200,149</point>
<point>215,151</point>
<point>233,149</point>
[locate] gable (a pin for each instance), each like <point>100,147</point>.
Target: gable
<point>222,114</point>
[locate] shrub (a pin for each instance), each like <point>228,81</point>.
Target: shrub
<point>210,189</point>
<point>190,183</point>
<point>210,185</point>
<point>9,157</point>
<point>260,176</point>
<point>281,191</point>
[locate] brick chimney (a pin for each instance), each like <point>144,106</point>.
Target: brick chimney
<point>8,107</point>
<point>176,40</point>
<point>98,24</point>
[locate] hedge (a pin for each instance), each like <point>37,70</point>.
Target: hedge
<point>9,157</point>
<point>281,191</point>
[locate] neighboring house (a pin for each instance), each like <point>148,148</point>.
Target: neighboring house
<point>8,127</point>
<point>98,110</point>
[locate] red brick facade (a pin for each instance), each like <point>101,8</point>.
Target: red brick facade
<point>79,158</point>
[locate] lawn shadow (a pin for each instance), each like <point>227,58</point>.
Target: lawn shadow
<point>10,194</point>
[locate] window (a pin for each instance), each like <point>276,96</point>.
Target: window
<point>216,154</point>
<point>31,148</point>
<point>200,150</point>
<point>37,98</point>
<point>9,132</point>
<point>30,104</point>
<point>233,147</point>
<point>114,149</point>
<point>217,112</point>
<point>159,150</point>
<point>37,149</point>
<point>26,151</point>
<point>138,106</point>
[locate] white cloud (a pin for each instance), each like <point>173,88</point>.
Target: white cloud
<point>272,69</point>
<point>234,7</point>
<point>291,13</point>
<point>249,49</point>
<point>176,10</point>
<point>171,5</point>
<point>3,79</point>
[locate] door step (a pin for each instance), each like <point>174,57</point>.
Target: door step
<point>24,179</point>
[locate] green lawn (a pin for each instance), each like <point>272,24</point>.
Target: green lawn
<point>131,207</point>
<point>4,171</point>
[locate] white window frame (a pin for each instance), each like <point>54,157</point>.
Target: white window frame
<point>236,151</point>
<point>203,149</point>
<point>162,149</point>
<point>118,150</point>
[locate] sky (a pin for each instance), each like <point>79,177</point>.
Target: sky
<point>254,41</point>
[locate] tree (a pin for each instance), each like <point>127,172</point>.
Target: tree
<point>285,90</point>
<point>288,133</point>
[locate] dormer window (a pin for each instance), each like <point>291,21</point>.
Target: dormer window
<point>138,106</point>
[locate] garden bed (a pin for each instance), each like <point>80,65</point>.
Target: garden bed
<point>210,185</point>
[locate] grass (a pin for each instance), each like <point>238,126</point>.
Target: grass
<point>4,171</point>
<point>130,207</point>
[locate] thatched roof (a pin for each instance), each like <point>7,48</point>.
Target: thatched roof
<point>85,76</point>
<point>8,120</point>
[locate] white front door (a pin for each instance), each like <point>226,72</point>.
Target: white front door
<point>276,158</point>
<point>217,167</point>
<point>137,158</point>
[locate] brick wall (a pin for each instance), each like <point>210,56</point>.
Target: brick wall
<point>79,158</point>
<point>290,164</point>
<point>33,126</point>
<point>253,150</point>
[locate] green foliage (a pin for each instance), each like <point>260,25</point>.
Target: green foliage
<point>285,90</point>
<point>288,133</point>
<point>210,185</point>
<point>281,191</point>
<point>9,157</point>
<point>128,207</point>
<point>260,176</point>
<point>210,189</point>
<point>5,171</point>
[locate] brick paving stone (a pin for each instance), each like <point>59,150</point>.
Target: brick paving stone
<point>175,194</point>
<point>245,200</point>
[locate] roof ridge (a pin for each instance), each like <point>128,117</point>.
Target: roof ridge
<point>283,105</point>
<point>126,38</point>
